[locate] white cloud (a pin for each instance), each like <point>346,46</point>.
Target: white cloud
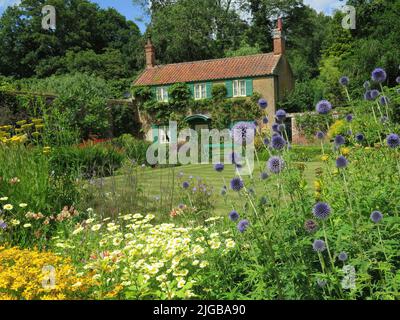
<point>327,6</point>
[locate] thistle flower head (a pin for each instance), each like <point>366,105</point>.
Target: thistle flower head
<point>366,85</point>
<point>323,107</point>
<point>384,100</point>
<point>321,210</point>
<point>233,215</point>
<point>374,94</point>
<point>276,164</point>
<point>237,184</point>
<point>280,115</point>
<point>379,75</point>
<point>275,127</point>
<point>344,81</point>
<point>185,185</point>
<point>393,140</point>
<point>339,140</point>
<point>376,216</point>
<point>263,103</point>
<point>349,118</point>
<point>341,162</point>
<point>264,176</point>
<point>243,225</point>
<point>266,141</point>
<point>343,256</point>
<point>219,167</point>
<point>277,142</point>
<point>320,135</point>
<point>360,137</point>
<point>368,95</point>
<point>319,245</point>
<point>265,120</point>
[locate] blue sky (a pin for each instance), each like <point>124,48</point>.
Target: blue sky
<point>135,13</point>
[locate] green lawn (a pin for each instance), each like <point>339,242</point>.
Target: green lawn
<point>156,184</point>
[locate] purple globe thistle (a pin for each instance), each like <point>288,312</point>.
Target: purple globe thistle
<point>282,127</point>
<point>243,225</point>
<point>243,132</point>
<point>275,127</point>
<point>321,210</point>
<point>320,135</point>
<point>266,141</point>
<point>376,216</point>
<point>344,81</point>
<point>379,75</point>
<point>393,140</point>
<point>185,185</point>
<point>341,162</point>
<point>310,225</point>
<point>3,225</point>
<point>398,80</point>
<point>368,95</point>
<point>265,120</point>
<point>237,184</point>
<point>181,206</point>
<point>223,192</point>
<point>384,100</point>
<point>360,137</point>
<point>323,107</point>
<point>219,167</point>
<point>263,103</point>
<point>339,140</point>
<point>280,115</point>
<point>374,94</point>
<point>276,164</point>
<point>319,245</point>
<point>233,215</point>
<point>264,176</point>
<point>343,256</point>
<point>263,201</point>
<point>349,118</point>
<point>366,85</point>
<point>349,132</point>
<point>278,143</point>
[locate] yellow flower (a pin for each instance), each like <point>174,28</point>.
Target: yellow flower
<point>345,151</point>
<point>317,185</point>
<point>229,243</point>
<point>8,207</point>
<point>96,227</point>
<point>23,205</point>
<point>181,283</point>
<point>15,222</point>
<point>325,158</point>
<point>4,199</point>
<point>204,264</point>
<point>27,225</point>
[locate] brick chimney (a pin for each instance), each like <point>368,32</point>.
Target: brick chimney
<point>150,54</point>
<point>279,38</point>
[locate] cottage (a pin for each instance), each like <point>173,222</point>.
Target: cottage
<point>269,74</point>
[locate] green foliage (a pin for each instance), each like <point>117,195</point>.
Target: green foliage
<point>179,96</point>
<point>133,148</point>
<point>244,50</point>
<point>219,92</point>
<point>95,38</point>
<point>311,123</point>
<point>87,161</point>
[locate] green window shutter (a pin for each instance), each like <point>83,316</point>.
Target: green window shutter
<point>155,133</point>
<point>209,89</point>
<point>191,87</point>
<point>229,88</point>
<point>249,87</point>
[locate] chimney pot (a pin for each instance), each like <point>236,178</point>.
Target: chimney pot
<point>279,38</point>
<point>150,54</point>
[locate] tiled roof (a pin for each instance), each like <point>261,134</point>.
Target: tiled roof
<point>226,68</point>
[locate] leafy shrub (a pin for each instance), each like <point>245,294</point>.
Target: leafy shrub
<point>219,92</point>
<point>135,149</point>
<point>87,161</point>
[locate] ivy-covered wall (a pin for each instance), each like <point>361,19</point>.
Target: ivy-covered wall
<point>223,109</point>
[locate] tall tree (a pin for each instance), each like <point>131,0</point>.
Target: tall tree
<point>27,49</point>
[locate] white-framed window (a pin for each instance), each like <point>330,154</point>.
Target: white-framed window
<point>163,134</point>
<point>200,91</point>
<point>162,94</point>
<point>239,88</point>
